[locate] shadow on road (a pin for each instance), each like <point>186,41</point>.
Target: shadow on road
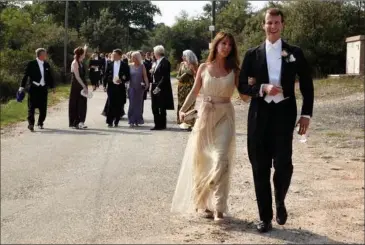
<point>287,235</point>
<point>89,131</point>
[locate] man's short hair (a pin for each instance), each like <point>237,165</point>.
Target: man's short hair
<point>39,51</point>
<point>118,51</point>
<point>274,12</point>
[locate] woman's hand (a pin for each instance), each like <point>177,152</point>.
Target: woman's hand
<point>182,116</point>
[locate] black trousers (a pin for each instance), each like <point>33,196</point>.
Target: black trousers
<point>116,101</point>
<point>105,110</point>
<point>271,145</point>
<point>94,78</point>
<point>159,113</point>
<point>38,97</point>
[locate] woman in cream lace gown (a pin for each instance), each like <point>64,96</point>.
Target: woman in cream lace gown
<point>203,182</point>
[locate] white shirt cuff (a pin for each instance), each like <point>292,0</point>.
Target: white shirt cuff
<point>261,90</point>
<point>307,116</point>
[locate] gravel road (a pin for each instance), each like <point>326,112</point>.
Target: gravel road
<point>115,185</point>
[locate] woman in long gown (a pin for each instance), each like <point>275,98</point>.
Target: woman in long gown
<point>137,85</point>
<point>186,76</point>
<point>203,182</point>
<point>77,102</point>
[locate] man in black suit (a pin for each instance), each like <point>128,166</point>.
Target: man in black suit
<point>116,75</point>
<point>148,65</point>
<point>273,112</point>
<point>103,66</point>
<point>162,98</point>
<point>39,72</point>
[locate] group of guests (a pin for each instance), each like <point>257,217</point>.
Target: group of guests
<point>123,76</point>
<point>136,83</point>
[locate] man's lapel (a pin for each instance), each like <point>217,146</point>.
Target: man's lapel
<point>121,72</point>
<point>263,62</point>
<point>286,47</point>
<point>158,65</point>
<point>112,69</point>
<point>38,68</point>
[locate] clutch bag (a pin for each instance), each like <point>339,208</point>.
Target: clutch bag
<point>89,94</point>
<point>190,115</point>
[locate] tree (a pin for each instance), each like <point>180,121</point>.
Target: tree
<point>219,6</point>
<point>234,16</point>
<point>137,16</point>
<point>105,34</point>
<point>160,35</point>
<point>15,23</point>
<point>78,11</point>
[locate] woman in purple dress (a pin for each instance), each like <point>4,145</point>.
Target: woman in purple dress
<point>137,85</point>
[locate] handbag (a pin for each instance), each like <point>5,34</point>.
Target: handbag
<point>190,115</point>
<point>20,96</point>
<point>89,94</point>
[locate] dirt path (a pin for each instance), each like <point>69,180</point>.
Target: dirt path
<point>115,185</point>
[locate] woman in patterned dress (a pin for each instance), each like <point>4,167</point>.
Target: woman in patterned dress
<point>186,76</point>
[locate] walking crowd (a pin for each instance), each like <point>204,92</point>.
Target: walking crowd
<point>266,78</point>
<point>123,76</point>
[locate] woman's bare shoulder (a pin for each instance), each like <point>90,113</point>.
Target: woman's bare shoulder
<point>203,66</point>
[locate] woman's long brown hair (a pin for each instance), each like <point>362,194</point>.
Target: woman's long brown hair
<point>232,62</point>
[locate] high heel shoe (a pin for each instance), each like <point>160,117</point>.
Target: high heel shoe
<point>208,214</point>
<point>218,217</point>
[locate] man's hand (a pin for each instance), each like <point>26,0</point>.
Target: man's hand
<point>303,125</point>
<point>21,89</point>
<point>272,90</point>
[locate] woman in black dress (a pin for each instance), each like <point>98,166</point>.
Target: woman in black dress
<point>94,71</point>
<point>77,102</point>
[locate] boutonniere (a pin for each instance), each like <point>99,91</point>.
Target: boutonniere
<point>287,56</point>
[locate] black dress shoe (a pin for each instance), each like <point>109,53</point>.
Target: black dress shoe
<point>40,127</point>
<point>31,128</point>
<point>264,226</point>
<point>110,125</point>
<point>281,215</point>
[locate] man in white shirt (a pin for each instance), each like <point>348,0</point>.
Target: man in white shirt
<point>116,75</point>
<point>272,114</point>
<point>161,97</point>
<point>40,78</point>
